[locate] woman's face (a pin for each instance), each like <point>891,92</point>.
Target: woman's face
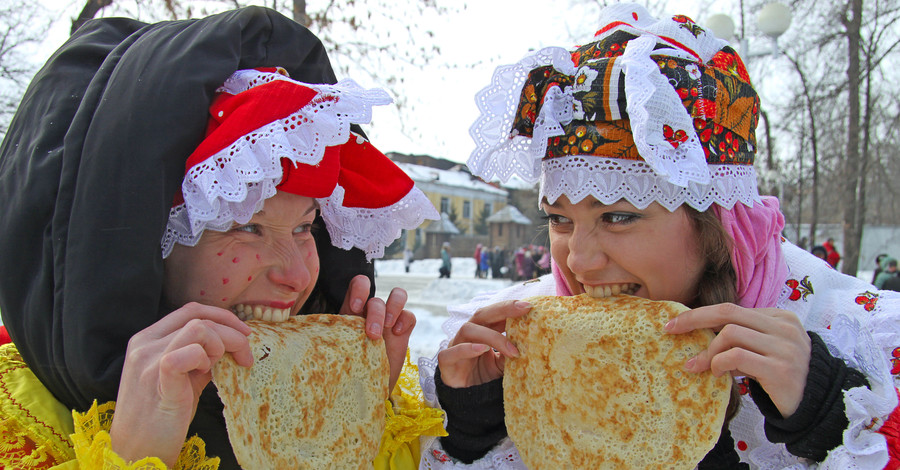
<point>263,269</point>
<point>604,250</point>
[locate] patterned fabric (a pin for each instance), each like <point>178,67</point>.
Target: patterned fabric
<point>859,324</point>
<point>717,95</point>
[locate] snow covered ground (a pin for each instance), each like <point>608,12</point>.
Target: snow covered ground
<point>429,295</point>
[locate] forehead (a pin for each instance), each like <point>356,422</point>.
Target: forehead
<point>286,206</point>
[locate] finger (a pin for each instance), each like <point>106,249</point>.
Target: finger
<point>473,333</point>
<point>215,339</point>
<point>396,346</point>
<point>461,352</point>
<point>394,306</point>
<point>495,315</point>
<point>717,316</point>
<point>178,318</point>
<point>374,318</point>
<point>356,296</point>
<point>405,323</point>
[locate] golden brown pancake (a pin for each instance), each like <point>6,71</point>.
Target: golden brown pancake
<point>599,384</point>
<point>314,397</point>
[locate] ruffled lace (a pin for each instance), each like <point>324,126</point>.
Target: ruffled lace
<point>612,179</point>
<point>373,229</point>
<point>409,417</point>
<point>233,183</point>
<point>496,154</point>
<point>94,448</point>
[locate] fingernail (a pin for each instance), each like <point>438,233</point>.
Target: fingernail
<point>480,347</point>
<point>512,349</point>
<point>522,304</point>
<point>357,305</point>
<point>375,329</point>
<point>387,318</point>
<point>669,325</point>
<point>398,327</point>
<point>689,365</point>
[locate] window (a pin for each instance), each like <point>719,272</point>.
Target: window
<point>445,205</point>
<point>488,209</point>
<point>467,209</point>
<point>499,230</point>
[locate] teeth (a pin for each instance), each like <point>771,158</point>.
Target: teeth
<point>609,290</point>
<point>257,312</point>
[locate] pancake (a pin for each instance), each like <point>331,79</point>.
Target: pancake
<point>314,397</point>
<point>600,385</point>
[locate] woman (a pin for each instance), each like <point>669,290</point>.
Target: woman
<point>643,143</point>
<point>119,293</point>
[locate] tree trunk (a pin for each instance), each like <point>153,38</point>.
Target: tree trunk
<point>88,13</point>
<point>300,15</point>
<point>852,159</point>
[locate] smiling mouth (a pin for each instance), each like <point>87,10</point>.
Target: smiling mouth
<point>260,312</point>
<point>608,290</point>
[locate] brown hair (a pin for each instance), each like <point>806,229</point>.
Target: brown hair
<point>718,283</point>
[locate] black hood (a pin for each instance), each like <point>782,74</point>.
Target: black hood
<point>88,171</point>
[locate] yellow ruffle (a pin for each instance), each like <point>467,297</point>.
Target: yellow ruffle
<point>34,426</point>
<point>408,418</point>
<point>94,448</point>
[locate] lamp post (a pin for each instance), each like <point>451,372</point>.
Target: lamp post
<point>773,20</point>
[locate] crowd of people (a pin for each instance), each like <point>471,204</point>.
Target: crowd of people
<point>523,263</point>
<point>248,188</point>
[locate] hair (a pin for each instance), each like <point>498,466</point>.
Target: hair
<point>718,283</point>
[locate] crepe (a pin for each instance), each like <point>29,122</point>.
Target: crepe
<point>314,397</point>
<point>600,385</point>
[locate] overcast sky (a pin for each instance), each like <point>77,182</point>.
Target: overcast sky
<point>487,33</point>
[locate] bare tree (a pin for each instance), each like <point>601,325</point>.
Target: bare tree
<point>22,28</point>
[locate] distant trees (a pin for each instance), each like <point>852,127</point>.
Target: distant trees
<point>22,27</point>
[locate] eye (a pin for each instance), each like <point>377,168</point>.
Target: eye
<point>306,229</point>
<point>249,228</point>
<point>558,222</point>
<point>619,218</point>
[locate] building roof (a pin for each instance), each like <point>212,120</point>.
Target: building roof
<point>456,178</point>
<point>442,226</point>
<point>509,214</point>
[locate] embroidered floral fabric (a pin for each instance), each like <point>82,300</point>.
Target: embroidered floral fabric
<point>859,324</point>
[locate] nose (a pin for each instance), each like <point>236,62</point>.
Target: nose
<point>586,252</point>
<point>293,266</point>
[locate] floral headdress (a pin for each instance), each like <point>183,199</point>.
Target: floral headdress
<point>649,111</point>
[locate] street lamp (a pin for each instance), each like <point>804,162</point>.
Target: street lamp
<point>773,20</point>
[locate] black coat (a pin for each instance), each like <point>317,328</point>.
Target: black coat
<point>88,171</point>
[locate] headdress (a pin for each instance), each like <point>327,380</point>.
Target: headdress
<point>267,132</point>
<point>649,110</point>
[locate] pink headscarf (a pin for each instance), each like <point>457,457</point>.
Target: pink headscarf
<point>756,254</point>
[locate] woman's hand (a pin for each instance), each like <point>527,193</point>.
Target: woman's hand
<point>167,366</point>
<point>768,345</point>
<point>388,320</point>
<point>478,352</point>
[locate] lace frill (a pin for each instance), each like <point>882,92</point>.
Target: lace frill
<point>233,183</point>
<point>670,175</point>
<point>94,448</point>
<point>409,417</point>
<point>612,179</point>
<point>371,230</point>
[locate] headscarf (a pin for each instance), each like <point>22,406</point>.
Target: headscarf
<point>648,110</point>
<point>89,170</point>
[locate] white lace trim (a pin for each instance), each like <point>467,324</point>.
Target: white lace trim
<point>371,230</point>
<point>653,103</point>
<point>496,155</point>
<point>612,179</point>
<point>231,185</point>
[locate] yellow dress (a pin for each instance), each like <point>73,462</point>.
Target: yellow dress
<point>38,432</point>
